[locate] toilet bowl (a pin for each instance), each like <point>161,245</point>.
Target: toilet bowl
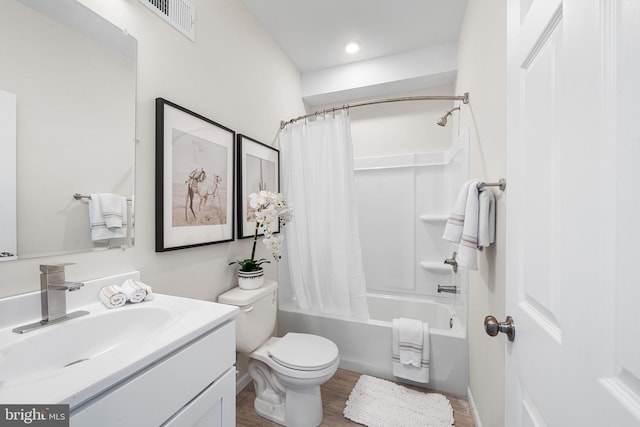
<point>287,377</point>
<point>287,372</point>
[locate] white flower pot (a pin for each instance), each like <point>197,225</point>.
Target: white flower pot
<point>251,279</point>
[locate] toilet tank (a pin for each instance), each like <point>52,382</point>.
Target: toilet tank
<point>257,318</point>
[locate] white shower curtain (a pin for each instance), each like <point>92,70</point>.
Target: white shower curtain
<point>322,241</point>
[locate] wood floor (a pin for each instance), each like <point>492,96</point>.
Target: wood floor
<point>335,393</point>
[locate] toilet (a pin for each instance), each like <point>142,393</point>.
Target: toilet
<point>287,372</point>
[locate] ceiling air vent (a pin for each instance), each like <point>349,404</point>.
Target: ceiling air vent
<point>181,14</point>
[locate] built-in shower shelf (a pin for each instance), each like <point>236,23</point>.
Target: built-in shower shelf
<point>436,267</point>
<point>434,218</point>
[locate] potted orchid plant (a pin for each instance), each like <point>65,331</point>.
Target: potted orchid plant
<point>270,211</point>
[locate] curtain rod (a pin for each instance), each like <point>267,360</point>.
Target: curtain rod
<point>464,98</point>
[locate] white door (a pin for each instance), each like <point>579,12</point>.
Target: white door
<point>573,213</point>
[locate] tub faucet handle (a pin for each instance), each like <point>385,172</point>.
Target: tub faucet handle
<point>452,262</point>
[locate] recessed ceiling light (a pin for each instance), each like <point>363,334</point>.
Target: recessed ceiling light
<point>352,47</point>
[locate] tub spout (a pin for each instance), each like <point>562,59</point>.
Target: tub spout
<point>448,289</point>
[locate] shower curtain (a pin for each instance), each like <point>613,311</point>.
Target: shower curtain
<point>322,241</point>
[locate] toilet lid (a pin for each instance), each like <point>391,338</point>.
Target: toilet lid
<point>304,352</point>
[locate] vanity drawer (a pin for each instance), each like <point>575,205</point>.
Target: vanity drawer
<point>156,393</point>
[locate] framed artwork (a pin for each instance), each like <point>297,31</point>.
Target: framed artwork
<point>194,179</point>
<point>258,170</point>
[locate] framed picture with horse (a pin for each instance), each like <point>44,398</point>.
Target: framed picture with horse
<point>258,170</point>
<point>194,179</point>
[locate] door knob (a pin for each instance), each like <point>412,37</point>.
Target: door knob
<point>492,327</point>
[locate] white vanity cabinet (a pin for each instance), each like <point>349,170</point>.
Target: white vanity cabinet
<point>192,386</point>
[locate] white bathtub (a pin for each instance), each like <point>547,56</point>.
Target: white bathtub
<point>366,346</point>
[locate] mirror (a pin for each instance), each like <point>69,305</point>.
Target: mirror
<point>73,75</point>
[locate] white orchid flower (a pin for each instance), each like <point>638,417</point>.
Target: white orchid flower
<point>271,210</point>
<point>274,244</point>
<point>260,217</point>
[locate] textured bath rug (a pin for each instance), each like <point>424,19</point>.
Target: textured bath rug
<point>380,403</point>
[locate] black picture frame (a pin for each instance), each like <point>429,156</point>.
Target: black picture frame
<point>195,171</point>
<point>258,167</point>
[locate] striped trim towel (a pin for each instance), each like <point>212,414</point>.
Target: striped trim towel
<point>137,291</point>
<point>455,223</point>
<point>107,216</point>
<point>112,296</point>
<point>471,223</point>
<point>133,292</point>
<point>410,349</point>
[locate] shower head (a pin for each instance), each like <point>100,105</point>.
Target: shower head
<point>442,121</point>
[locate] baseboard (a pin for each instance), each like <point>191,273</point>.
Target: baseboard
<point>242,381</point>
<point>472,407</point>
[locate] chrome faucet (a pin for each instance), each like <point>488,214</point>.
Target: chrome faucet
<point>52,287</point>
<point>53,298</point>
<point>452,262</point>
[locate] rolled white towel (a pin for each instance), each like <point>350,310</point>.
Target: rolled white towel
<point>112,297</point>
<point>146,288</point>
<point>137,284</point>
<point>134,292</point>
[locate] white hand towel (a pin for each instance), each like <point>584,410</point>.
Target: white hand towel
<point>455,223</point>
<point>410,341</point>
<point>114,209</point>
<point>98,223</point>
<point>467,251</point>
<point>132,217</point>
<point>486,218</point>
<point>112,297</point>
<point>133,291</point>
<point>417,374</point>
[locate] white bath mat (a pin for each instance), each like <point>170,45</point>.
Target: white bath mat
<point>379,403</point>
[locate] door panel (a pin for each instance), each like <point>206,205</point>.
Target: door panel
<point>538,80</point>
<point>620,374</point>
<point>572,213</point>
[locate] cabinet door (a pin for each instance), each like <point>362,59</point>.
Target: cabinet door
<point>214,407</point>
<point>164,388</point>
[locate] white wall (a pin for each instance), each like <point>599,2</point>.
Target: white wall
<point>401,127</point>
<point>482,73</point>
<point>234,74</point>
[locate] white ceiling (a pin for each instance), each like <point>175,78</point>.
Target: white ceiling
<point>313,33</point>
<point>405,45</point>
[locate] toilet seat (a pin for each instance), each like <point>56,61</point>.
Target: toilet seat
<point>303,352</point>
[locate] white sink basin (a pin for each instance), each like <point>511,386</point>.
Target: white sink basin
<point>74,360</point>
<point>44,351</point>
